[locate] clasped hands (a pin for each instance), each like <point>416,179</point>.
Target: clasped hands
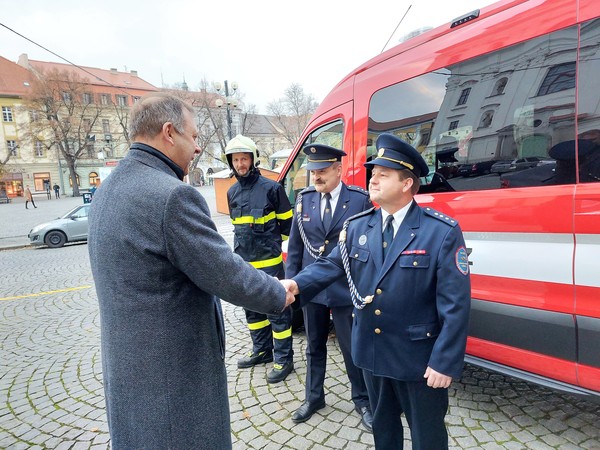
<point>291,290</point>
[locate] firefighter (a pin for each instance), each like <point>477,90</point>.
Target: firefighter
<point>262,217</point>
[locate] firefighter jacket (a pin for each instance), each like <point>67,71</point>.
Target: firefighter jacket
<point>262,217</point>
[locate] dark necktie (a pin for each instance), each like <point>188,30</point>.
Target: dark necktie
<point>388,234</point>
<point>327,214</point>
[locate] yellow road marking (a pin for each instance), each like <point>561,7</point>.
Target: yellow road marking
<point>39,294</point>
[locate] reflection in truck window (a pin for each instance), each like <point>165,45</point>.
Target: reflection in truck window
<point>517,102</point>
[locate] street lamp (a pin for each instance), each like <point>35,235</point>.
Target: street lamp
<point>229,102</point>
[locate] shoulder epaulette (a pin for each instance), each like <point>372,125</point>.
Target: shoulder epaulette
<point>360,214</point>
<point>308,189</point>
<point>440,216</point>
<point>357,189</point>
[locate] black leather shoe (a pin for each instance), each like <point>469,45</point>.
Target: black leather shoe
<point>366,417</point>
<point>279,372</point>
<point>306,411</point>
<point>252,359</point>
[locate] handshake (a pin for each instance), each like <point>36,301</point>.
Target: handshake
<point>291,290</point>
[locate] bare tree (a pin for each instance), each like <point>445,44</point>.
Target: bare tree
<point>121,113</point>
<point>292,112</point>
<point>3,163</point>
<point>212,120</point>
<point>62,114</point>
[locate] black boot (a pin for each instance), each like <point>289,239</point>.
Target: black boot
<point>279,372</point>
<point>252,359</point>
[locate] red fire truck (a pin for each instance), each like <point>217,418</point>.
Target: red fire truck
<point>516,81</point>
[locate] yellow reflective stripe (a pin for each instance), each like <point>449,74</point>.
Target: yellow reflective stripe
<point>284,237</point>
<point>286,215</point>
<point>249,219</point>
<point>267,262</point>
<point>258,325</point>
<point>283,334</point>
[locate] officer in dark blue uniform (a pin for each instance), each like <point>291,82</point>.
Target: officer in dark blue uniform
<point>320,212</point>
<point>408,274</point>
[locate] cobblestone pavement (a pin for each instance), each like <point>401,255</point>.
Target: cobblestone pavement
<point>51,394</point>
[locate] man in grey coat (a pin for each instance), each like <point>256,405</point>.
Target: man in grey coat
<point>159,266</point>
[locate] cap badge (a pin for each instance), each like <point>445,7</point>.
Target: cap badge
<point>313,150</point>
<point>380,152</point>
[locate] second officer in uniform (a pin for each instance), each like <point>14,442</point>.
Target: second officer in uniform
<point>320,212</point>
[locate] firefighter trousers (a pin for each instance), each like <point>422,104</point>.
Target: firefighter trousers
<point>272,332</point>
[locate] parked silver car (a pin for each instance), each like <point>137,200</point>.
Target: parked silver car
<point>71,227</point>
<point>515,164</point>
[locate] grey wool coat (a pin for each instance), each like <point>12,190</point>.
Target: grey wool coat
<point>160,267</point>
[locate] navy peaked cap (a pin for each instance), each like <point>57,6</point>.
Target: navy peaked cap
<point>321,156</point>
<point>394,153</point>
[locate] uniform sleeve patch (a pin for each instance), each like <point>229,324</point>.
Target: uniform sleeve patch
<point>462,260</point>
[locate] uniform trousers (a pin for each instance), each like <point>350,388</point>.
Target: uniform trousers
<point>316,324</point>
<point>272,332</point>
<point>423,406</point>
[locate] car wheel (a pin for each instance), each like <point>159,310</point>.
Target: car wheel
<point>55,239</point>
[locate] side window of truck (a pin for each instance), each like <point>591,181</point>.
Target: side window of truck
<point>505,119</point>
<point>298,178</point>
<point>589,102</point>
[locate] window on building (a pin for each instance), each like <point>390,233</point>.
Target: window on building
<point>453,125</point>
<point>425,136</point>
<point>559,78</point>
<point>39,149</point>
<point>486,119</point>
<point>41,181</point>
<point>464,96</point>
<point>136,98</point>
<point>66,97</point>
<point>7,115</point>
<point>88,98</point>
<point>105,126</point>
<point>89,146</point>
<point>500,86</point>
<point>93,178</point>
<point>122,100</point>
<point>12,147</point>
<point>76,179</point>
<point>105,99</point>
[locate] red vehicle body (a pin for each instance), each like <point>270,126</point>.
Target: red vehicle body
<point>516,79</point>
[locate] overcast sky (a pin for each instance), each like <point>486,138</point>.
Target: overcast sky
<point>263,45</point>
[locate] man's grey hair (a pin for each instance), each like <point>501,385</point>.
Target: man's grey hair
<point>152,111</point>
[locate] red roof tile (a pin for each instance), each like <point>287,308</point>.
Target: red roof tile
<point>98,77</point>
<point>14,79</point>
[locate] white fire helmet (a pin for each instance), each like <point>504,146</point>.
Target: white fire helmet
<point>241,144</point>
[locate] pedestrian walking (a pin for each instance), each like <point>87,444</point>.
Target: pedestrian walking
<point>28,197</point>
<point>56,188</point>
